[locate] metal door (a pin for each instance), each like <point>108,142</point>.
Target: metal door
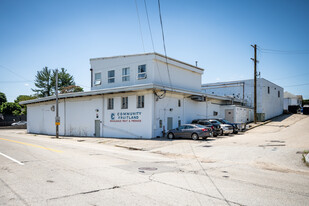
<point>229,115</point>
<point>97,128</point>
<point>169,123</point>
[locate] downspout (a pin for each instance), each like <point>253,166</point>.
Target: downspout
<point>91,71</point>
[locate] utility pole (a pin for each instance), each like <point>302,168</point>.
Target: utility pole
<point>255,74</point>
<point>57,119</point>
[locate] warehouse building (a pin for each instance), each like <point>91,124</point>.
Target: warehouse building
<point>269,95</point>
<point>133,96</point>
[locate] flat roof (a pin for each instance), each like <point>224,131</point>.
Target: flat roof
<point>144,54</point>
<point>235,82</point>
<point>125,89</point>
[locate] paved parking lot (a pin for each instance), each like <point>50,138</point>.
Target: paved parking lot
<point>262,166</point>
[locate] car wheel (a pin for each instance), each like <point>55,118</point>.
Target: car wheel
<point>236,132</point>
<point>215,135</point>
<point>170,135</point>
<point>204,138</point>
<point>194,136</point>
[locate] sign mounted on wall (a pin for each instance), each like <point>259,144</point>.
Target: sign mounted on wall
<point>126,117</point>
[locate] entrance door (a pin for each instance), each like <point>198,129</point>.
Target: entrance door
<point>169,123</point>
<point>229,115</point>
<point>97,128</point>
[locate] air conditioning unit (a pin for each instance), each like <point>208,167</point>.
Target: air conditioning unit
<point>198,98</point>
<point>142,76</point>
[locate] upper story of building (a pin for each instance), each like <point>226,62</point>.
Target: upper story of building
<point>118,71</point>
<point>244,89</point>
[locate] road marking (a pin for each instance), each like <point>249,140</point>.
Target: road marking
<point>33,145</point>
<point>14,160</point>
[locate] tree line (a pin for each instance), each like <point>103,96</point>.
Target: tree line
<point>45,83</point>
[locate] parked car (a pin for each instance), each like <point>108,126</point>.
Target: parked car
<point>19,123</point>
<point>225,128</point>
<point>236,127</point>
<point>216,129</point>
<point>194,131</point>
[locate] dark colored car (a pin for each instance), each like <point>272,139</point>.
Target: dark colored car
<point>235,126</point>
<point>193,131</point>
<point>225,129</point>
<point>216,129</point>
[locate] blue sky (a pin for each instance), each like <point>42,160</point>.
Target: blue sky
<point>217,34</point>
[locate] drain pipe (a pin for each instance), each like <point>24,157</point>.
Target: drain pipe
<point>91,71</point>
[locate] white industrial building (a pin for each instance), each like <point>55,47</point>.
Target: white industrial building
<point>269,95</point>
<point>134,96</point>
<point>291,100</point>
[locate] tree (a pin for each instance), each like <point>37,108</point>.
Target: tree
<point>72,88</point>
<point>21,98</point>
<point>64,79</point>
<point>305,102</point>
<point>2,98</point>
<point>10,107</point>
<point>43,83</point>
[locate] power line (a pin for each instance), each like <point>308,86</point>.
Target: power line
<point>149,25</point>
<point>276,51</point>
<point>153,48</point>
<point>296,85</point>
<point>288,77</point>
<point>168,72</point>
<point>140,27</point>
<point>15,73</point>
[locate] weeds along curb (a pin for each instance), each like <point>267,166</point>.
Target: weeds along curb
<point>306,157</point>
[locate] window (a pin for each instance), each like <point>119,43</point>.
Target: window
<point>110,103</point>
<point>179,103</point>
<point>179,123</point>
<point>140,101</point>
<point>124,103</point>
<point>97,79</point>
<point>111,76</point>
<point>142,72</point>
<point>160,123</point>
<point>268,90</point>
<point>278,93</point>
<point>215,113</point>
<point>126,74</point>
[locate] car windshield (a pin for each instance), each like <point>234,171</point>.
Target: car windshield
<point>215,121</point>
<point>225,121</point>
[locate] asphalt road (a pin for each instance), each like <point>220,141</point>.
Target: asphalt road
<point>260,167</point>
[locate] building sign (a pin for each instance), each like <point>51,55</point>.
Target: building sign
<point>126,117</point>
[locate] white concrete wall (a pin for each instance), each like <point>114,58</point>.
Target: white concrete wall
<point>270,104</point>
<point>141,127</point>
<point>167,107</point>
<point>77,116</point>
<point>188,111</point>
<point>290,101</point>
<point>104,65</point>
<point>181,75</point>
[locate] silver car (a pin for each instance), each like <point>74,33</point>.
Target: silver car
<point>194,131</point>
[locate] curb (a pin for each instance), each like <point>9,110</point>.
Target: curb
<point>257,125</point>
<point>307,158</point>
